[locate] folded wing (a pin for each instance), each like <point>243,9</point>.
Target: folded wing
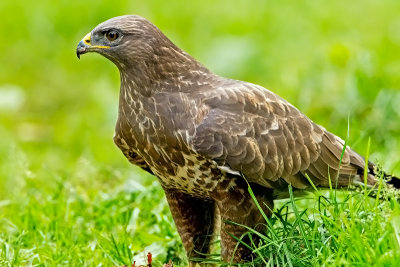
<point>251,131</point>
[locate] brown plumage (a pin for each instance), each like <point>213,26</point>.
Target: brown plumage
<point>202,134</point>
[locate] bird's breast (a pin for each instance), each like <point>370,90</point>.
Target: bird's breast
<point>175,165</point>
<point>177,169</point>
<point>154,131</point>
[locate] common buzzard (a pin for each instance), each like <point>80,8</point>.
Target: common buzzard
<point>205,136</point>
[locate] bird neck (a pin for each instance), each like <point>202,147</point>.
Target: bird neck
<point>169,70</point>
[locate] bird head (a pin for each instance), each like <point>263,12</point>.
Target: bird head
<point>141,51</point>
<point>125,40</point>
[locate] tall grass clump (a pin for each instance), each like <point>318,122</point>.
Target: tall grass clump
<point>335,227</point>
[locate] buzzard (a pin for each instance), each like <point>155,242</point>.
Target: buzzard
<point>205,137</point>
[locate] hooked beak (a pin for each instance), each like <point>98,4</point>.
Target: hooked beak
<point>85,45</point>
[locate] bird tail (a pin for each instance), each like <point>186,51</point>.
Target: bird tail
<point>394,181</point>
<point>376,171</point>
<point>374,177</point>
<point>391,181</point>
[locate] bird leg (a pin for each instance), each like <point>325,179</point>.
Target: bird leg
<point>236,206</point>
<point>194,219</point>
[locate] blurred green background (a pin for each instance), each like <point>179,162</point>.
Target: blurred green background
<point>65,185</point>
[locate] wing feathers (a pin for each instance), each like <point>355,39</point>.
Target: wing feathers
<point>254,132</point>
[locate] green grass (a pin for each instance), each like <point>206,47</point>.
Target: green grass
<point>67,195</point>
<point>92,216</point>
<point>330,229</point>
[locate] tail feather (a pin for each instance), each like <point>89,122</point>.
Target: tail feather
<point>377,171</point>
<point>394,181</point>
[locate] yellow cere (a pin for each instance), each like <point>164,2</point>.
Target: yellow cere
<point>87,41</point>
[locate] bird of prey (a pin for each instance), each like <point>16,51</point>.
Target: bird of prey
<point>205,137</point>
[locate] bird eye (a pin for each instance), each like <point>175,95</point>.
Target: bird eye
<point>112,35</point>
